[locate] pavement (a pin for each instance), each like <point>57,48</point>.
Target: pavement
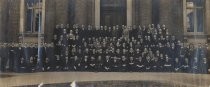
<point>176,79</point>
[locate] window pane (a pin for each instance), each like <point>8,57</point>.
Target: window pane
<point>33,18</point>
<point>29,21</point>
<point>200,20</point>
<point>190,20</point>
<point>199,3</point>
<point>38,22</point>
<point>198,11</point>
<point>30,3</point>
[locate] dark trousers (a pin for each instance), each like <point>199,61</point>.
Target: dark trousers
<point>4,62</point>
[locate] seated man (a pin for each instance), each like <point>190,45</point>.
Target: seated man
<point>168,64</point>
<point>107,64</point>
<point>124,64</point>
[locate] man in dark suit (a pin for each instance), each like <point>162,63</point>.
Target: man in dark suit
<point>16,57</point>
<point>107,63</point>
<point>204,61</point>
<point>32,58</point>
<point>11,56</point>
<point>99,63</point>
<point>22,64</point>
<point>4,56</point>
<point>50,58</point>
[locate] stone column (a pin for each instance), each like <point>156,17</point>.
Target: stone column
<point>43,15</point>
<point>40,35</point>
<point>129,12</point>
<point>207,19</point>
<point>97,12</point>
<point>207,27</point>
<point>184,16</point>
<point>22,16</point>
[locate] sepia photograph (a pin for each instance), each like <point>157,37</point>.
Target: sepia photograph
<point>104,43</point>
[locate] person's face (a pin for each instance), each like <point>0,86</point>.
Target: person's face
<point>99,57</point>
<point>55,37</point>
<point>61,37</point>
<point>148,38</point>
<point>71,31</point>
<point>173,45</point>
<point>123,58</point>
<point>173,37</point>
<point>179,42</point>
<point>167,38</point>
<point>161,37</point>
<point>141,40</point>
<point>104,44</point>
<point>137,50</point>
<point>133,38</point>
<point>64,31</point>
<point>86,58</point>
<point>123,44</point>
<point>144,27</point>
<point>168,44</point>
<point>160,31</point>
<point>107,57</point>
<point>145,37</point>
<point>158,26</point>
<point>131,44</point>
<point>75,57</point>
<point>131,58</point>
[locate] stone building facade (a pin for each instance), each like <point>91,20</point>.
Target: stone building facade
<point>89,12</point>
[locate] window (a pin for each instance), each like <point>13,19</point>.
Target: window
<point>33,16</point>
<point>113,12</point>
<point>195,16</point>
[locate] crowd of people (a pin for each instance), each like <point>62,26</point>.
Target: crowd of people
<point>106,49</point>
<point>122,48</point>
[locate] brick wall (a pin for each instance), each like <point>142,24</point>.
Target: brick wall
<point>50,20</point>
<point>3,20</point>
<point>145,12</point>
<point>61,11</point>
<point>13,16</point>
<point>171,14</point>
<point>165,9</point>
<point>176,14</point>
<point>208,16</point>
<point>9,20</point>
<point>84,12</point>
